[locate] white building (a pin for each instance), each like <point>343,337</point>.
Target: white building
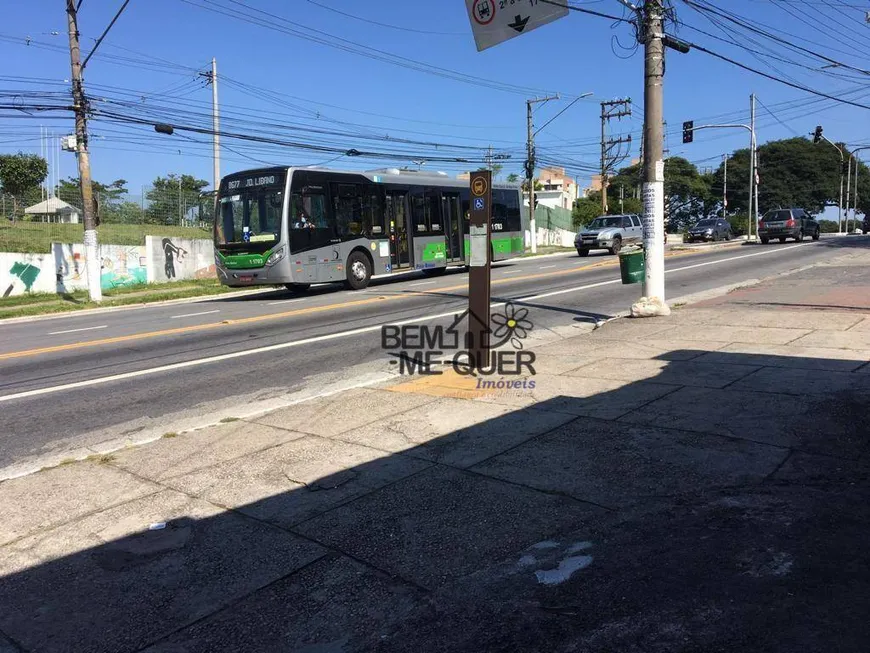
<point>558,189</point>
<point>54,210</point>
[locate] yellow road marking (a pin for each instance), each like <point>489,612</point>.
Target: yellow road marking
<point>300,311</point>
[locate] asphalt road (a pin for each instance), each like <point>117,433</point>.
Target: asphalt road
<point>107,377</point>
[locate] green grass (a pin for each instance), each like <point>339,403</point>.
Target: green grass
<point>44,303</point>
<point>36,237</point>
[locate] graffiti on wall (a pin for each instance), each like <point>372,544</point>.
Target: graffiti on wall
<point>69,266</point>
<point>122,266</point>
<point>24,273</point>
<point>172,254</point>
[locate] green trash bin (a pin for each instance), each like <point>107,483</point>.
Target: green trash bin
<point>632,265</point>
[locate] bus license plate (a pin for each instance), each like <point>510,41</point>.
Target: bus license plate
<point>246,277</point>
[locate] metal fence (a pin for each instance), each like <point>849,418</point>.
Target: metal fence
<point>30,223</point>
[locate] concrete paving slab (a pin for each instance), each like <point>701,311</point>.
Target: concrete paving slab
<point>811,358</point>
<point>805,468</point>
<point>109,583</point>
<point>862,326</point>
<point>759,335</point>
<point>857,340</point>
<point>297,480</point>
<point>456,432</point>
<point>331,605</point>
<point>803,382</point>
<point>188,452</point>
<point>582,348</point>
<point>615,465</point>
<point>690,373</point>
<point>816,425</point>
<point>443,524</point>
<point>561,363</point>
<point>789,319</point>
<point>348,410</point>
<point>757,569</point>
<point>62,494</point>
<point>576,395</point>
<point>631,328</point>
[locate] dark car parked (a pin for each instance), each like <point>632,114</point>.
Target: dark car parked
<point>711,229</point>
<point>787,223</point>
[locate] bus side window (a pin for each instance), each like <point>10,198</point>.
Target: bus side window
<point>372,213</point>
<point>418,211</point>
<point>513,222</point>
<point>433,210</point>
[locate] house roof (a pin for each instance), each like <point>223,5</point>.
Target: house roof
<point>51,205</point>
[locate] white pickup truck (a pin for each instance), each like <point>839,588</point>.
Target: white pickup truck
<point>609,232</point>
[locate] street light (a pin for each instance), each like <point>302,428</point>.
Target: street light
<point>817,137</point>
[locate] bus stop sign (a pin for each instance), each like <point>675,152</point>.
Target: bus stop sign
<point>494,21</point>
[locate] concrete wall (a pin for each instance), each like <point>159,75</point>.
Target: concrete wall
<point>63,269</point>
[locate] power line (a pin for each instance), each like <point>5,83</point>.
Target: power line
<point>374,22</point>
<point>103,35</point>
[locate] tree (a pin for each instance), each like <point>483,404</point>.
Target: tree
<point>585,210</point>
<point>513,178</point>
<point>171,197</point>
<point>110,198</point>
<point>793,172</point>
<point>21,174</point>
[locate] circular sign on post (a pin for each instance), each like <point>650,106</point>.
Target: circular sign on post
<point>478,187</point>
<point>483,11</point>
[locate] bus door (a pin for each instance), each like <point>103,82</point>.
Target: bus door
<point>451,211</point>
<point>400,245</point>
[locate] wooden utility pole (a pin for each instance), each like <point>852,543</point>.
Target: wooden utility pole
<point>92,258</point>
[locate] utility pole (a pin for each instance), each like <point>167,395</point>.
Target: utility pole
<point>530,167</point>
<point>652,29</point>
<point>211,78</point>
<point>725,188</point>
<point>848,188</point>
<point>621,198</point>
<point>609,111</point>
<point>749,212</point>
<point>80,106</point>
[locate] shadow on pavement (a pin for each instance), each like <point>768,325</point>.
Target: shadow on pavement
<point>721,504</point>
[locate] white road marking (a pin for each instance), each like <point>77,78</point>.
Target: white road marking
<point>545,267</point>
<point>286,301</point>
<point>511,271</point>
<point>176,317</point>
<point>57,333</point>
<point>334,336</point>
<point>421,283</point>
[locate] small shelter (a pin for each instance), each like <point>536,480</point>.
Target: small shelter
<point>54,210</point>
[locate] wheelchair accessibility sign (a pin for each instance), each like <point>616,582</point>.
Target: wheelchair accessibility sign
<point>479,204</point>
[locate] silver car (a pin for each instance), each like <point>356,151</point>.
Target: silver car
<point>609,232</point>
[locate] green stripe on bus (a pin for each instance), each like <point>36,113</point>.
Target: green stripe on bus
<point>244,261</point>
<point>435,253</point>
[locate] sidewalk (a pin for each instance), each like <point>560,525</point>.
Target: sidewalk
<point>691,483</point>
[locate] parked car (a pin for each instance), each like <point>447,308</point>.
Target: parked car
<point>787,223</point>
<point>609,232</point>
<point>712,229</point>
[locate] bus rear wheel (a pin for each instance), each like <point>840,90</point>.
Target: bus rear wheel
<point>359,271</point>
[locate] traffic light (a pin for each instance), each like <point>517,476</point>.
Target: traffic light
<point>688,131</point>
<point>817,135</point>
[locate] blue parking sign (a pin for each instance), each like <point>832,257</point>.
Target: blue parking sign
<point>478,204</point>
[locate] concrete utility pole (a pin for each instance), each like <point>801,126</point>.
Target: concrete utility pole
<point>855,187</point>
<point>725,188</point>
<point>530,167</point>
<point>848,188</point>
<point>216,126</point>
<point>92,257</point>
<point>653,301</point>
<point>610,110</point>
<point>749,212</point>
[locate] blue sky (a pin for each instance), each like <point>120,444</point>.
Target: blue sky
<point>333,90</point>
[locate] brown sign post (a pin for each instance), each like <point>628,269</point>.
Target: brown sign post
<point>479,260</point>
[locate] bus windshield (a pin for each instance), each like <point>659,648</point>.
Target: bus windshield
<point>250,219</point>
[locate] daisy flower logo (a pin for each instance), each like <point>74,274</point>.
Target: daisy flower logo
<point>512,325</point>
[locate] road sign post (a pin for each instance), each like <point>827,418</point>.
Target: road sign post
<point>495,21</point>
<point>479,261</point>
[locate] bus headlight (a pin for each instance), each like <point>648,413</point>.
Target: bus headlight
<point>276,256</point>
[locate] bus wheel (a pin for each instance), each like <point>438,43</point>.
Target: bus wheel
<point>297,287</point>
<point>359,271</point>
<point>434,272</point>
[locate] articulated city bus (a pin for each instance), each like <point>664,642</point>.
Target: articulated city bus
<point>298,226</point>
